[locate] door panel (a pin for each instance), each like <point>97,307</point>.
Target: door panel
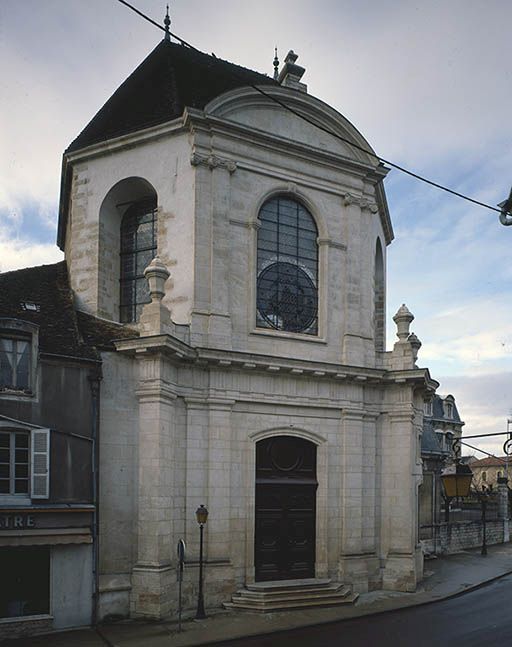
<point>285,531</point>
<point>286,485</point>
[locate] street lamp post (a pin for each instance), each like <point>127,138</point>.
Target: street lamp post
<point>201,516</point>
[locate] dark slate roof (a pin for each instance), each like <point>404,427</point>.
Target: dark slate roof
<point>171,78</point>
<point>47,287</point>
<point>438,411</point>
<point>100,333</point>
<point>429,442</point>
<point>62,330</point>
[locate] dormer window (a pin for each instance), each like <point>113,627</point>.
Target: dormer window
<point>427,408</point>
<point>448,407</point>
<point>15,364</point>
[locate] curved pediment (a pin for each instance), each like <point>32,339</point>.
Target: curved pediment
<point>248,107</point>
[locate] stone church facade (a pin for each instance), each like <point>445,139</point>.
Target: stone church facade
<point>242,251</point>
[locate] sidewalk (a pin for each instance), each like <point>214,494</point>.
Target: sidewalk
<point>444,578</point>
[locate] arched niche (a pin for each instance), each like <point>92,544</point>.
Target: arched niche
<point>118,200</point>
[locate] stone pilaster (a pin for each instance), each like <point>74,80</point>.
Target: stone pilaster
<point>351,568</point>
<point>353,347</point>
<point>153,579</point>
<point>502,497</point>
<point>219,330</point>
<point>400,480</point>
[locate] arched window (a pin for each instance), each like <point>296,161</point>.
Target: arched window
<point>287,286</point>
<point>379,296</point>
<point>138,248</point>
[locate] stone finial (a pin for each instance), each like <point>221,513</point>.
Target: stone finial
<point>403,320</point>
<point>155,318</point>
<point>291,73</point>
<point>415,345</point>
<point>156,274</point>
<point>167,23</point>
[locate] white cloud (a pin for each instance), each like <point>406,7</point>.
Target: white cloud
<point>18,253</point>
<point>484,402</point>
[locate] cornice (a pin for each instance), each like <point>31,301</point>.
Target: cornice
<point>197,120</point>
<point>181,353</point>
<point>128,141</point>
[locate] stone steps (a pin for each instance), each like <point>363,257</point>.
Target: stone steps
<point>291,594</point>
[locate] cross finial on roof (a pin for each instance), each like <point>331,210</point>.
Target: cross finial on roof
<point>167,23</point>
<point>276,65</point>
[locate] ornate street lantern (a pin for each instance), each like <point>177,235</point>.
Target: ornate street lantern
<point>457,480</point>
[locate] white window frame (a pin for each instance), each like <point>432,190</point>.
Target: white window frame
<point>18,329</point>
<point>39,463</point>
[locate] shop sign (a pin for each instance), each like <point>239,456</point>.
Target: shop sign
<point>16,521</point>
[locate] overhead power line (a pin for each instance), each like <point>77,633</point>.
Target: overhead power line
<point>383,160</point>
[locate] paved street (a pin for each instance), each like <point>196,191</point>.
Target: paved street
<point>429,617</point>
<point>473,619</point>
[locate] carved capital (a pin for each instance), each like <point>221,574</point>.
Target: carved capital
<point>364,203</point>
<point>213,161</point>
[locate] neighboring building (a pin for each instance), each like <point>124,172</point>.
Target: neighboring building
<point>488,470</point>
<point>48,402</point>
<point>253,379</point>
<point>441,427</point>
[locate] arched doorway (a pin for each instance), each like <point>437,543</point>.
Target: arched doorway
<point>285,528</point>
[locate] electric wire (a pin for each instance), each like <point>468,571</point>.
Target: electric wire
<point>382,160</point>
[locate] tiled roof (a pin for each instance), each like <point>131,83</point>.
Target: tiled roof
<point>47,288</point>
<point>99,333</point>
<point>62,330</point>
<point>490,461</point>
<point>171,78</point>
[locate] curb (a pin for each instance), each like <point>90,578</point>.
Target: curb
<point>362,614</point>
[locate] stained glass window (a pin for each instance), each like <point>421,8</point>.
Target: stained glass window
<point>138,248</point>
<point>287,284</point>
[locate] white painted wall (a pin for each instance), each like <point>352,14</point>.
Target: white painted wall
<point>71,585</point>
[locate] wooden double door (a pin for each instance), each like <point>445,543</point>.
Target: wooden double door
<point>285,509</point>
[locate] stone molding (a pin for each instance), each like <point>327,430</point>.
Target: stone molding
<point>180,352</point>
<point>364,203</point>
<point>331,243</point>
<point>287,430</point>
<point>213,161</point>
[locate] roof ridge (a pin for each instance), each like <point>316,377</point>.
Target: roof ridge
<point>31,267</point>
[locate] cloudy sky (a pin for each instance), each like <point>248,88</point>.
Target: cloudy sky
<point>428,83</point>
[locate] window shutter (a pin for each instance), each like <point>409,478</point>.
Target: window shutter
<point>40,464</point>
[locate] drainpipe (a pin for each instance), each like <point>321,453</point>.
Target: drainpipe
<point>94,381</point>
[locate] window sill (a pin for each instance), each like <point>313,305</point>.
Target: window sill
<point>281,334</point>
<point>14,500</point>
<point>35,617</point>
<point>16,392</point>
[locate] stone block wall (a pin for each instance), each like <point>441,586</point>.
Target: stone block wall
<point>461,535</point>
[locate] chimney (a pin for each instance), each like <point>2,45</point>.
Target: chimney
<point>292,73</point>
